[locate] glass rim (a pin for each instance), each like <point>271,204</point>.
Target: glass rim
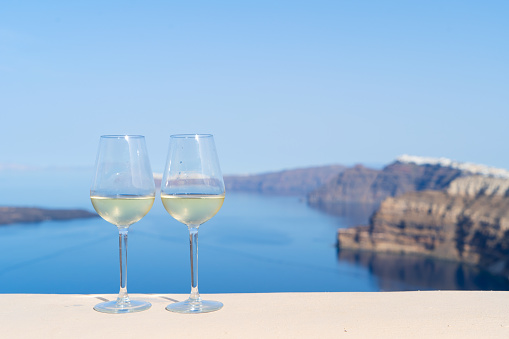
<point>122,136</point>
<point>186,136</point>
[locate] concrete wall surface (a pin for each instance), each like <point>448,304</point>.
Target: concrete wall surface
<point>434,314</point>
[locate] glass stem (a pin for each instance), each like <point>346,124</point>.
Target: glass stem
<point>193,243</point>
<point>123,297</point>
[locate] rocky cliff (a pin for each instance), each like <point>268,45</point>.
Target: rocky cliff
<point>369,186</point>
<point>289,182</point>
<point>467,222</point>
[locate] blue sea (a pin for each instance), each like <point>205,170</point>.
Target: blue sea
<point>255,243</point>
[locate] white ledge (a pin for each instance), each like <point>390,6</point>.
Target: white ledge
<point>451,314</point>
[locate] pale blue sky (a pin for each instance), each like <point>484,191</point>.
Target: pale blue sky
<point>281,84</point>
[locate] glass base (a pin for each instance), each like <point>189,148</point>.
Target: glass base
<point>193,306</point>
<point>129,307</point>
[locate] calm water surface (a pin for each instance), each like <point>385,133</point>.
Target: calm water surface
<point>254,244</point>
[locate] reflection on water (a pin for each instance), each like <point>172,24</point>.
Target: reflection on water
<point>352,213</point>
<point>397,272</point>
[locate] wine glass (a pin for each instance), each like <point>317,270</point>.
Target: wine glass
<point>192,191</point>
<point>122,193</point>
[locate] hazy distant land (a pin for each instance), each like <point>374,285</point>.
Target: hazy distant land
<point>433,207</point>
<point>287,182</point>
<point>13,215</point>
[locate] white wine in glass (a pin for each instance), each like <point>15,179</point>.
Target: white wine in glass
<point>192,191</point>
<point>192,209</point>
<point>122,193</point>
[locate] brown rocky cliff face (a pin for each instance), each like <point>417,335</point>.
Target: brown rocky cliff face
<point>469,222</point>
<point>363,185</point>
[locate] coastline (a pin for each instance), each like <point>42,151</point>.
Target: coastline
<point>15,215</point>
